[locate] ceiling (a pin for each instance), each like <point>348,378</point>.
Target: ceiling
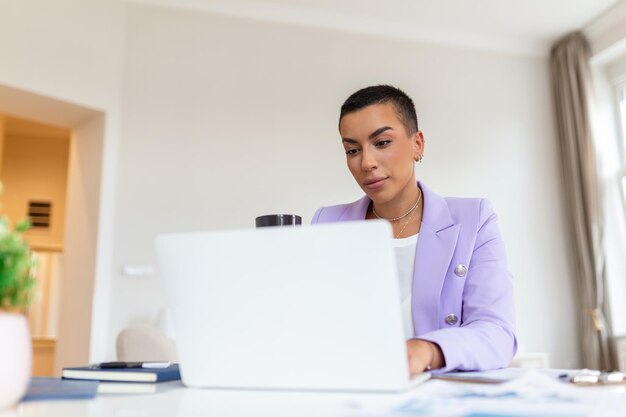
<point>16,127</point>
<point>516,26</point>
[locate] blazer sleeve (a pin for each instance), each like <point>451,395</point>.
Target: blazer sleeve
<point>485,338</point>
<point>316,216</point>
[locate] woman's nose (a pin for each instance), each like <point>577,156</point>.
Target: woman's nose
<point>368,162</point>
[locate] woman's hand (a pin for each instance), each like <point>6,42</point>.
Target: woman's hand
<point>423,354</point>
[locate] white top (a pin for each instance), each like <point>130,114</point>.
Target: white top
<point>405,259</point>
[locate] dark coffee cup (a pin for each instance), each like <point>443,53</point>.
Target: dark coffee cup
<point>278,220</point>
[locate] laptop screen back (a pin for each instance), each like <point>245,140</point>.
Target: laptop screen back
<point>298,308</point>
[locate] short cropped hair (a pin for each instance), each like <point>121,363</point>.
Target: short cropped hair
<point>380,94</point>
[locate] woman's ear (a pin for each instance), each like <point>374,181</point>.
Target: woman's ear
<point>418,145</point>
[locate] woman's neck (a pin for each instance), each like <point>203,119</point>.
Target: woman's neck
<point>400,205</point>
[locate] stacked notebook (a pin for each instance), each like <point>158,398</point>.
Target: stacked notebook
<point>95,373</point>
<point>134,380</point>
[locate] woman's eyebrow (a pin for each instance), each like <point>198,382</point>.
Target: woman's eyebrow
<point>372,135</point>
<point>379,131</point>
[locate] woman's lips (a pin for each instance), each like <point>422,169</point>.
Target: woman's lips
<point>375,183</point>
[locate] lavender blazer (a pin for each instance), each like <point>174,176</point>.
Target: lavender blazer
<point>456,232</point>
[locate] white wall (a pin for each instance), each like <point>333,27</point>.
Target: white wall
<point>79,258</point>
<point>69,49</point>
<point>226,119</point>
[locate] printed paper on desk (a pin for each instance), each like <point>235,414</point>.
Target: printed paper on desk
<point>533,393</point>
<point>530,384</point>
<point>496,376</point>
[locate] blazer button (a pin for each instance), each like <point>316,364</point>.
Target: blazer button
<point>451,319</point>
<point>460,270</point>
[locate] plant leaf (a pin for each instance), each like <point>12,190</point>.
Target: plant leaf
<point>23,226</point>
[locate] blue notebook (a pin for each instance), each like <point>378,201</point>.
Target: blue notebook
<point>58,389</point>
<point>170,373</point>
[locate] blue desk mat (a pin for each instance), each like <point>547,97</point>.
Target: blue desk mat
<point>42,388</point>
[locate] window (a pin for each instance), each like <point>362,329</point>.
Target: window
<point>610,136</point>
<point>621,95</point>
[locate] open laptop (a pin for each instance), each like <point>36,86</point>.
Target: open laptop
<point>306,308</point>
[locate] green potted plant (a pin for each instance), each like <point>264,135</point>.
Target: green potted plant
<point>17,284</point>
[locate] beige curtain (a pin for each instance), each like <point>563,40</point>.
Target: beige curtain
<point>571,81</point>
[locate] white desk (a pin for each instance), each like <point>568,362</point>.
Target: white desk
<point>172,399</point>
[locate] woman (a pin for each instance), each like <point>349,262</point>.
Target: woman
<point>455,288</point>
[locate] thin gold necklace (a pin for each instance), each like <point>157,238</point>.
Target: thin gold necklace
<point>394,219</point>
<point>405,224</point>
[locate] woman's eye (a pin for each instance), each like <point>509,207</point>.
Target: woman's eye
<point>351,151</point>
<point>382,143</point>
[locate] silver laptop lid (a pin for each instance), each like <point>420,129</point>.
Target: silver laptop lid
<point>298,308</point>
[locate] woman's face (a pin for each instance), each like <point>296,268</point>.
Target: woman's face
<point>379,153</point>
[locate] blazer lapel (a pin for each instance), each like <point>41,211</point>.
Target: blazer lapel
<point>356,210</point>
<point>435,247</point>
